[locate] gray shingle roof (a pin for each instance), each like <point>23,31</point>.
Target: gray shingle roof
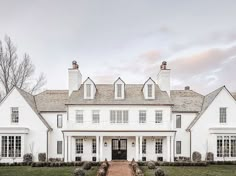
<point>186,101</point>
<point>52,100</point>
<point>133,96</point>
<point>234,95</point>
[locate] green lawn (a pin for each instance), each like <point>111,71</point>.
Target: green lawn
<point>213,170</point>
<point>42,171</point>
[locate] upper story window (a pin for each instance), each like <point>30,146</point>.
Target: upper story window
<point>88,90</point>
<point>119,116</point>
<point>119,87</point>
<point>79,117</point>
<point>142,116</point>
<point>96,116</point>
<point>158,117</point>
<point>14,115</point>
<point>223,115</point>
<point>178,121</point>
<point>59,121</point>
<point>149,86</point>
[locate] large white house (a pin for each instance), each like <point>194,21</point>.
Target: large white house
<point>117,121</point>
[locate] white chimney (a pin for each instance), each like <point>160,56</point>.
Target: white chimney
<point>163,78</point>
<point>75,77</point>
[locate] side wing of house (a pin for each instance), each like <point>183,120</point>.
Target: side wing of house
<point>21,129</point>
<point>215,130</point>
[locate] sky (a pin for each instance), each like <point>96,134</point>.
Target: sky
<point>127,39</point>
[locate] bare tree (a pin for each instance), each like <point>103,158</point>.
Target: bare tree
<point>15,72</point>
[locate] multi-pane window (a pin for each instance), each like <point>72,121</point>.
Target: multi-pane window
<point>94,147</point>
<point>11,146</point>
<point>4,146</point>
<point>178,147</point>
<point>142,116</point>
<point>88,90</point>
<point>119,116</point>
<point>79,146</point>
<point>96,116</point>
<point>226,146</point>
<point>178,121</point>
<point>233,146</point>
<point>144,146</point>
<point>59,121</point>
<point>119,87</point>
<point>59,147</point>
<point>159,146</point>
<point>15,115</point>
<point>223,115</point>
<point>149,86</point>
<point>79,117</point>
<point>158,117</point>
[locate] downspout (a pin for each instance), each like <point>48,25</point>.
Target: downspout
<point>47,144</point>
<point>174,145</point>
<point>190,136</point>
<point>63,145</point>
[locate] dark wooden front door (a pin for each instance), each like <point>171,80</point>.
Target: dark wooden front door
<point>119,149</point>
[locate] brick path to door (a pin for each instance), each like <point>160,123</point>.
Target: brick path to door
<point>119,168</point>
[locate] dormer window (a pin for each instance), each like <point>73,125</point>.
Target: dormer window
<point>88,90</point>
<point>149,86</point>
<point>119,87</point>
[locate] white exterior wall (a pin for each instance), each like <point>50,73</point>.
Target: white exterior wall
<point>133,123</point>
<point>181,133</point>
<point>202,140</point>
<point>36,140</point>
<point>56,134</point>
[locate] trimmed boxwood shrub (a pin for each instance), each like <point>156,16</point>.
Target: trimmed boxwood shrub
<point>137,171</point>
<point>209,156</point>
<point>151,165</point>
<point>159,172</point>
<point>28,158</point>
<point>79,172</point>
<point>87,165</point>
<point>42,157</point>
<point>197,156</point>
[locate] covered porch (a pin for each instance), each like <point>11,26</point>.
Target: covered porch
<point>118,145</point>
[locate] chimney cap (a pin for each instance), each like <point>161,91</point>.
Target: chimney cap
<point>164,63</point>
<point>74,64</point>
<point>187,88</point>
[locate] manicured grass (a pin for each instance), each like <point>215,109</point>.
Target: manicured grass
<point>42,171</point>
<point>212,170</point>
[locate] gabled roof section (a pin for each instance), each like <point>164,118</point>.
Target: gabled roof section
<point>30,99</point>
<point>105,96</point>
<point>208,99</point>
<point>118,80</point>
<point>147,81</point>
<point>186,101</point>
<point>91,81</point>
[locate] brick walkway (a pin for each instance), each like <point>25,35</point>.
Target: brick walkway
<point>119,168</point>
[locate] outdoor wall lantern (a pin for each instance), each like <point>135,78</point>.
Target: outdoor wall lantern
<point>133,144</point>
<point>105,144</point>
<point>85,138</point>
<point>152,138</point>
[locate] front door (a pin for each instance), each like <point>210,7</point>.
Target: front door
<point>119,149</point>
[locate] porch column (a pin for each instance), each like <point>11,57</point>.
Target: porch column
<point>65,149</point>
<point>69,148</point>
<point>97,148</point>
<point>168,148</point>
<point>141,148</point>
<point>172,154</point>
<point>101,148</point>
<point>137,147</point>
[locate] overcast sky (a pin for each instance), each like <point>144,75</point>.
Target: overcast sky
<point>126,38</point>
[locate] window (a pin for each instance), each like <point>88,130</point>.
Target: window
<point>119,87</point>
<point>14,115</point>
<point>226,146</point>
<point>88,90</point>
<point>11,146</point>
<point>79,117</point>
<point>96,117</point>
<point>158,118</point>
<point>142,116</point>
<point>94,148</point>
<point>222,115</point>
<point>79,146</point>
<point>119,116</point>
<point>144,146</point>
<point>178,121</point>
<point>59,121</point>
<point>158,146</point>
<point>178,147</point>
<point>149,90</point>
<point>59,147</point>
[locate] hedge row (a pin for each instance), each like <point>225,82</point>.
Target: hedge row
<point>174,163</point>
